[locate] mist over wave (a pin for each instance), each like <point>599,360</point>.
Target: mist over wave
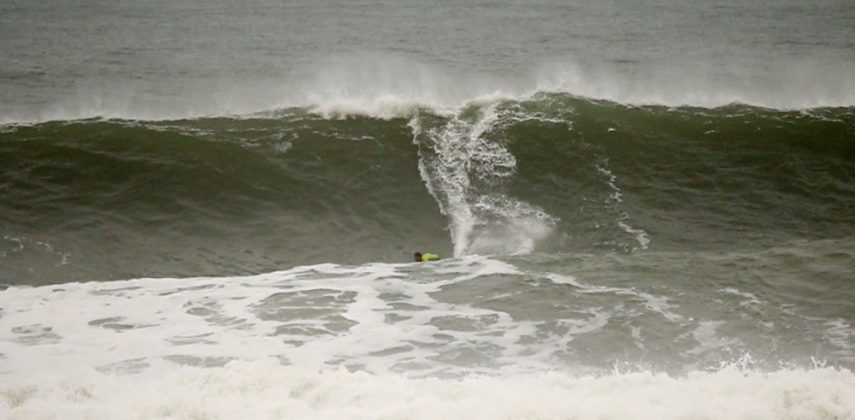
<point>386,86</point>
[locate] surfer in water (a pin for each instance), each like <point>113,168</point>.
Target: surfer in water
<point>425,257</point>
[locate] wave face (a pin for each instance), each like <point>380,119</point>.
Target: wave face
<point>111,199</point>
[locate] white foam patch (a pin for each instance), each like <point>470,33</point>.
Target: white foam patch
<point>371,341</point>
<point>455,158</point>
<point>268,390</point>
<point>375,317</point>
<point>750,299</point>
<point>614,200</point>
<point>708,339</point>
<point>446,172</point>
<point>657,304</point>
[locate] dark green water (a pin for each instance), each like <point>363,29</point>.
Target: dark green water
<point>109,199</point>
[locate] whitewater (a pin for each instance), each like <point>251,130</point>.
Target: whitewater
<point>209,211</point>
<point>373,341</point>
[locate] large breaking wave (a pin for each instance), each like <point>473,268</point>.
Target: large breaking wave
<point>550,173</point>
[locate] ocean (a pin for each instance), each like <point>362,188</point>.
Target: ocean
<point>208,210</point>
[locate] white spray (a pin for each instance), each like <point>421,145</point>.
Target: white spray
<point>456,158</point>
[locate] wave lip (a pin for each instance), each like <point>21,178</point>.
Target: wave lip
<point>386,86</point>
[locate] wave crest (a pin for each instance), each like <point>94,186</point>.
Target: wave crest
<point>385,86</point>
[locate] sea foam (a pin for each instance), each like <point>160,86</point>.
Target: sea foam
<point>268,390</point>
<point>400,341</point>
